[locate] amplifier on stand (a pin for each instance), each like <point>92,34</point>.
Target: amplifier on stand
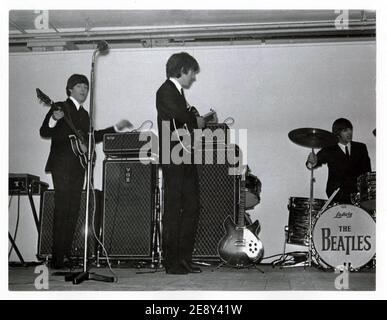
<point>129,144</point>
<point>18,183</point>
<point>220,132</point>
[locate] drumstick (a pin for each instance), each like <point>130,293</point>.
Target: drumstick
<point>329,200</point>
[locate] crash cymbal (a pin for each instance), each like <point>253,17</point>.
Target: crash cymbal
<point>312,137</point>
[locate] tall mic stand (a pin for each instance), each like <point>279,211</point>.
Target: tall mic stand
<point>79,277</point>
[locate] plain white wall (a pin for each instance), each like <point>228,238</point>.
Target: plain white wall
<point>268,90</point>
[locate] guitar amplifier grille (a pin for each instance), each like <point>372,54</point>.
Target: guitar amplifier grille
<point>47,221</point>
<point>218,199</point>
<point>129,188</point>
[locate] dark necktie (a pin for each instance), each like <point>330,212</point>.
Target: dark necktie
<point>347,152</point>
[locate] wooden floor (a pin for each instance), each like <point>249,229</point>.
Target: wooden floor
<point>211,279</point>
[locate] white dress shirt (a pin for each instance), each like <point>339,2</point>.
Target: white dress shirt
<point>342,147</point>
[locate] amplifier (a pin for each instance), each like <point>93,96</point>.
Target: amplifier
<point>18,183</point>
<point>220,133</point>
<point>129,144</point>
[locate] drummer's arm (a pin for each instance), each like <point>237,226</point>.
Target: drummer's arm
<point>366,161</point>
<point>315,160</point>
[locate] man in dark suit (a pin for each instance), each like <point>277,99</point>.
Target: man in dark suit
<point>181,189</point>
<point>346,161</point>
<point>65,167</point>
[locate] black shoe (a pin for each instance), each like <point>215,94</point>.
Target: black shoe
<point>189,267</point>
<point>176,270</point>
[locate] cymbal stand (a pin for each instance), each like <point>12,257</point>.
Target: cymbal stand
<point>311,199</point>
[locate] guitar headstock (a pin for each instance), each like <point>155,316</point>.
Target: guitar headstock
<point>43,97</point>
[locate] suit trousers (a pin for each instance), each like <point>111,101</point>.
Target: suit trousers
<point>68,178</point>
<point>181,212</point>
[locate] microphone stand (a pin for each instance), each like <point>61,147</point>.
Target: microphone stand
<point>79,277</point>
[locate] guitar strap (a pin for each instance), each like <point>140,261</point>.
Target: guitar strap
<point>67,113</point>
<point>70,120</point>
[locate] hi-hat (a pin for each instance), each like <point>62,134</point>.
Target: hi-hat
<point>312,138</point>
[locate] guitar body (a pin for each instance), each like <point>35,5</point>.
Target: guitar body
<point>79,149</point>
<point>240,246</point>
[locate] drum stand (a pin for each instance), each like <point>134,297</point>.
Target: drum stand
<point>308,256</point>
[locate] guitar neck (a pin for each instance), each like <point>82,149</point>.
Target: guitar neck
<point>242,204</point>
<point>68,121</point>
<point>47,101</point>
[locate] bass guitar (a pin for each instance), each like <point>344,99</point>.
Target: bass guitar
<point>240,246</point>
<point>77,139</point>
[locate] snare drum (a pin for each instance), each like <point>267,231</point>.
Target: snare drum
<point>298,226</point>
<point>343,235</point>
<point>366,186</point>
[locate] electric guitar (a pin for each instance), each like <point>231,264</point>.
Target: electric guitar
<point>240,246</point>
<point>77,139</point>
<point>185,137</point>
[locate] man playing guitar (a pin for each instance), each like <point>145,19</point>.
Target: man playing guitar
<point>64,164</point>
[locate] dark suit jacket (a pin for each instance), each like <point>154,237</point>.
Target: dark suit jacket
<point>60,143</point>
<point>343,172</point>
<point>171,105</point>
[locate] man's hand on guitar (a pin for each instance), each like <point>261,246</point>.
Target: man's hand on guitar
<point>214,119</point>
<point>195,111</point>
<point>57,115</point>
<point>121,125</point>
<point>201,122</point>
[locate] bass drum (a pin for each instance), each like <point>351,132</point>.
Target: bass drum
<point>343,235</point>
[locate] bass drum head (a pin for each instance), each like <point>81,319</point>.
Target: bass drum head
<point>344,235</point>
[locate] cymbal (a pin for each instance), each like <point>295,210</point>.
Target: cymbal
<point>312,138</point>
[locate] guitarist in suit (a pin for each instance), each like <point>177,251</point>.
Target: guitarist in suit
<point>65,167</point>
<point>346,161</point>
<point>181,197</point>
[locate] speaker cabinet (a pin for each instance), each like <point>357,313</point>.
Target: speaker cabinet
<point>218,199</point>
<point>47,220</point>
<point>129,204</point>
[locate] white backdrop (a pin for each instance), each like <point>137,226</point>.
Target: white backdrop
<point>268,90</point>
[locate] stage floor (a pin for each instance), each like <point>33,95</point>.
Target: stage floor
<point>211,279</point>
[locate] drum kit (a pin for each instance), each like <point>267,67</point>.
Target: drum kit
<point>337,236</point>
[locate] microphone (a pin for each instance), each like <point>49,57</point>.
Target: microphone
<point>102,46</point>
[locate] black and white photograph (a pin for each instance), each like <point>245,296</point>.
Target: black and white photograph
<point>163,151</point>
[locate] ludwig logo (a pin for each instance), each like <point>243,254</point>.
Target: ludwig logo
<point>343,215</point>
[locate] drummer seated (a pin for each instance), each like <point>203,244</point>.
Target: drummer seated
<point>346,161</point>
